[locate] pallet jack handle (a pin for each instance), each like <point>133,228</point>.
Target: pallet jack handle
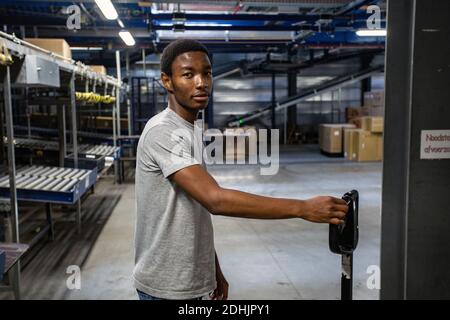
<point>343,240</point>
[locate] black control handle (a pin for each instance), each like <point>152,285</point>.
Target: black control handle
<point>343,238</point>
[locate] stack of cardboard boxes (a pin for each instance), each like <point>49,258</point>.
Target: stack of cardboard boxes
<point>361,139</point>
<point>365,143</point>
<point>373,103</point>
<point>331,138</point>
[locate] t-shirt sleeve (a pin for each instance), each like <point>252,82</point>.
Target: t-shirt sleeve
<point>171,150</point>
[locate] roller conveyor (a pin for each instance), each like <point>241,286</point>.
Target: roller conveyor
<point>50,184</point>
<point>109,151</point>
<point>99,150</point>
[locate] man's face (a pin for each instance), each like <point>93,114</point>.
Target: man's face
<point>191,80</point>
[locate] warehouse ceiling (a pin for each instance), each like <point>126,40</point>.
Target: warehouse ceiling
<point>224,26</point>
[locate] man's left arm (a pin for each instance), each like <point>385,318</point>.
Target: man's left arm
<point>221,292</point>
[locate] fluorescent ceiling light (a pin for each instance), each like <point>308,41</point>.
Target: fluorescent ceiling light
<point>86,48</point>
<point>198,24</point>
<point>127,38</point>
<point>120,23</point>
<point>207,24</point>
<point>371,33</point>
<point>107,9</point>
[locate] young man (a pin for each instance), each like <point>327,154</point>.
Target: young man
<point>175,195</point>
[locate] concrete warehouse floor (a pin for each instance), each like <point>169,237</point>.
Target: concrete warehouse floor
<point>273,259</point>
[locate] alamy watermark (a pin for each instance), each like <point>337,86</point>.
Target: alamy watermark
<point>248,146</point>
<point>73,282</point>
<point>374,21</point>
<point>73,22</point>
<point>374,280</point>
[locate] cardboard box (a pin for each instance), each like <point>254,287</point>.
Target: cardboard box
<point>367,146</point>
<point>372,124</point>
<point>374,98</point>
<point>353,112</point>
<point>380,143</point>
<point>331,137</point>
<point>98,69</point>
<point>357,122</point>
<point>372,111</point>
<point>349,143</point>
<point>58,46</point>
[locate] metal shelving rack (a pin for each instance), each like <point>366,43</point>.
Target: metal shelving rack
<point>19,49</point>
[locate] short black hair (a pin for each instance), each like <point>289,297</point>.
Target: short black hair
<point>176,48</point>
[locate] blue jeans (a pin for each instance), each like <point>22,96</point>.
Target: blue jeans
<point>144,296</point>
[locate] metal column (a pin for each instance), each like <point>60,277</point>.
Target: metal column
<point>366,84</point>
<point>75,141</point>
<point>116,126</point>
<point>119,80</point>
<point>14,215</point>
<point>415,239</point>
<point>61,113</point>
<point>127,66</point>
<point>73,110</point>
<point>2,143</point>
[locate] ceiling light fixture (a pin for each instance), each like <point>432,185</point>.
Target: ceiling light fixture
<point>127,37</point>
<point>86,48</point>
<point>371,33</point>
<point>107,9</point>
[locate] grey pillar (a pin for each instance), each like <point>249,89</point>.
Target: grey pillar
<point>415,250</point>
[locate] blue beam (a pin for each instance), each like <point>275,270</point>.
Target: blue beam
<point>249,28</point>
<point>292,18</point>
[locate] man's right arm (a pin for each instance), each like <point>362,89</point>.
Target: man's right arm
<point>201,186</point>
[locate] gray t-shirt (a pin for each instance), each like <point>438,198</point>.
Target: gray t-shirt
<point>174,241</point>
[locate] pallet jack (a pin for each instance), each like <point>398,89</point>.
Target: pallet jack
<point>343,240</point>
